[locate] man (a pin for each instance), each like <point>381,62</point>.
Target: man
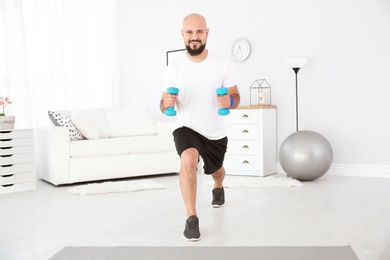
<point>201,130</point>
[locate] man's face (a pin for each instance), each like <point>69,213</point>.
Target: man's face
<point>195,34</point>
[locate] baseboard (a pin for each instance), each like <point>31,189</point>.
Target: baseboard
<point>357,170</point>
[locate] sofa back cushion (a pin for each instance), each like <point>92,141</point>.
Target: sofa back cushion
<point>130,122</point>
<point>92,123</point>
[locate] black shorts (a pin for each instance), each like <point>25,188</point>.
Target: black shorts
<point>212,151</point>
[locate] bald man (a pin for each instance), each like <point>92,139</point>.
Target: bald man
<point>200,131</point>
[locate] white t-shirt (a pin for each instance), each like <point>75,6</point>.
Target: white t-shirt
<point>197,104</point>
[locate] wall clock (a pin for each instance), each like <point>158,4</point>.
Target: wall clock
<point>241,49</point>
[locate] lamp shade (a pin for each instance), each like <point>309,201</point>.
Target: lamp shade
<point>296,63</point>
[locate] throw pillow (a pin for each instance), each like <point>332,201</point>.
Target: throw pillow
<point>63,119</point>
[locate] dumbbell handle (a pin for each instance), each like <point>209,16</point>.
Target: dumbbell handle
<point>170,111</point>
<point>221,92</point>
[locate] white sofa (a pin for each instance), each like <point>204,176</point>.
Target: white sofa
<point>117,143</point>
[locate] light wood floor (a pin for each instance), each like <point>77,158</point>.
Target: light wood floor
<point>330,211</point>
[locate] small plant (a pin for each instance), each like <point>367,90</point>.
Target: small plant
<point>4,101</point>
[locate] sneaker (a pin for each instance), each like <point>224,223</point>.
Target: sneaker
<point>218,198</point>
<point>191,231</point>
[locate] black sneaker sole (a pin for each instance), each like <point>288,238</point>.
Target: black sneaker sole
<point>191,239</point>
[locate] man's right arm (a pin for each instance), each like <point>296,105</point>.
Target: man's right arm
<point>162,107</point>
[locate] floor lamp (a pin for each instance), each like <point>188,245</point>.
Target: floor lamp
<point>296,64</point>
<point>304,155</point>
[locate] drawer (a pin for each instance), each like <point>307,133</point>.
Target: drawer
<point>242,162</point>
<point>17,158</point>
<point>16,150</point>
<point>242,132</point>
<point>16,168</point>
<point>247,147</point>
<point>25,186</point>
<point>6,143</point>
<point>243,117</point>
<point>17,178</point>
<point>17,133</point>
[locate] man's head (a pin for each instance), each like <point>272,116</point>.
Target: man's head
<point>195,33</point>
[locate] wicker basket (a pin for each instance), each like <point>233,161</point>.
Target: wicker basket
<point>7,122</point>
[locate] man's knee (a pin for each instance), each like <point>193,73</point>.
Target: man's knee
<point>218,173</point>
<point>189,159</point>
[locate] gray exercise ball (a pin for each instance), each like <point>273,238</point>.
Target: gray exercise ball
<point>305,155</point>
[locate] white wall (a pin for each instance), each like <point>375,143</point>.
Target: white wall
<point>344,89</point>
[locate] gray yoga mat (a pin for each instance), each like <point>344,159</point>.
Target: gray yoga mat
<point>207,252</point>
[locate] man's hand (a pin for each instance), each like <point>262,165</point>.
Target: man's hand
<point>167,100</point>
<point>224,101</point>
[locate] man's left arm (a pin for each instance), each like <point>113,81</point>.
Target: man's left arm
<point>234,96</point>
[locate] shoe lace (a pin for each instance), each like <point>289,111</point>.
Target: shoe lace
<point>192,224</point>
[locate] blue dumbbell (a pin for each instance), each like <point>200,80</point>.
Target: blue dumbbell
<point>221,92</point>
<point>170,111</point>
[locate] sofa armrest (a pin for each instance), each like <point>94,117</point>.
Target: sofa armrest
<point>165,127</point>
<point>53,154</point>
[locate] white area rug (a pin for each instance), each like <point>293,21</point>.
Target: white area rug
<point>258,182</point>
<point>115,186</point>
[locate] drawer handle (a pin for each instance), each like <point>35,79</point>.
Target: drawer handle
<point>7,155</point>
<point>245,162</point>
<point>6,176</point>
<point>245,131</point>
<point>5,148</point>
<point>245,147</point>
<point>245,116</point>
<point>7,185</point>
<point>5,140</point>
<point>6,165</point>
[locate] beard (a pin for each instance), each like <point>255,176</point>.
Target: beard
<point>195,52</point>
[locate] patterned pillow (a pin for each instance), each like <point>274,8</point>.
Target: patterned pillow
<point>63,119</point>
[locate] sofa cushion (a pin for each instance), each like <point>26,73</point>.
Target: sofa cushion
<point>151,144</point>
<point>64,119</point>
<point>100,147</point>
<point>130,122</point>
<point>92,123</point>
<point>85,125</point>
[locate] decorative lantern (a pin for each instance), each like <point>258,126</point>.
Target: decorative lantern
<point>260,93</point>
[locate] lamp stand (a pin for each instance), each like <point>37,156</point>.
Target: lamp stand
<point>296,95</point>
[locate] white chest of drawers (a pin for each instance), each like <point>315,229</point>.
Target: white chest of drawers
<point>17,170</point>
<point>251,131</point>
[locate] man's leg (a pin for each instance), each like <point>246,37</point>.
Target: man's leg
<point>188,181</point>
<point>188,185</point>
<point>218,191</point>
<point>218,177</point>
